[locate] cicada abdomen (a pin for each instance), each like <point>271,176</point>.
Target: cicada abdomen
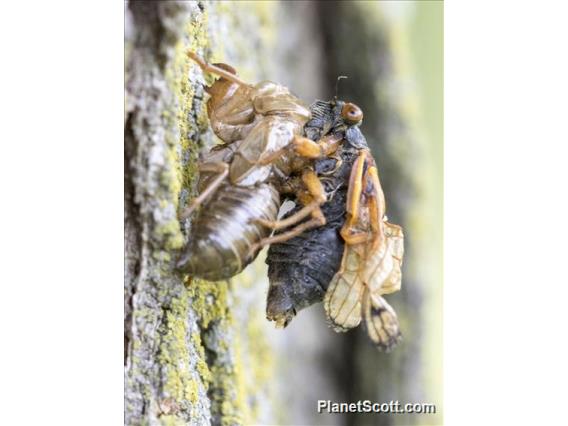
<point>223,234</point>
<point>301,268</point>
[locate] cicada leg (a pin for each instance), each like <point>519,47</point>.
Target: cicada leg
<point>223,170</point>
<point>307,148</point>
<point>292,220</point>
<point>216,70</point>
<point>294,232</point>
<point>317,196</point>
<point>359,182</point>
<point>324,147</point>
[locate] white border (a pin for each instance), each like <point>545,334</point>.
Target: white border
<point>505,213</point>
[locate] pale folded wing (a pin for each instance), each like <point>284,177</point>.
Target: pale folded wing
<point>366,276</point>
<point>381,322</point>
<point>382,269</point>
<point>342,300</point>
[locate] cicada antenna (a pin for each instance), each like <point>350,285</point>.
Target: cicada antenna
<point>337,86</point>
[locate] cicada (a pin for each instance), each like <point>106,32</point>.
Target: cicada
<point>264,154</point>
<point>355,259</point>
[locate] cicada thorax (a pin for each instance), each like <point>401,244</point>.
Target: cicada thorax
<point>283,116</point>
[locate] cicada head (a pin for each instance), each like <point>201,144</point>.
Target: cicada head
<point>347,117</point>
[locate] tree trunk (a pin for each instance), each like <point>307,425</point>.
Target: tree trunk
<point>185,350</point>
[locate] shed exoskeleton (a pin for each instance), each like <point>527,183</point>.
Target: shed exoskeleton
<point>263,155</point>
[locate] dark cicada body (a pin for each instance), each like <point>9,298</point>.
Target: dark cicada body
<point>301,268</point>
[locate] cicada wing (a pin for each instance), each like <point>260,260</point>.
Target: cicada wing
<point>381,322</point>
<point>342,300</point>
<point>383,269</point>
<point>395,245</point>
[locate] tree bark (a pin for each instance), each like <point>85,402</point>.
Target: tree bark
<point>187,358</point>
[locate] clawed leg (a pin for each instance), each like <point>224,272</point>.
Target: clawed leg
<point>317,197</point>
<point>294,232</point>
<point>216,70</point>
<point>223,170</point>
<point>291,220</point>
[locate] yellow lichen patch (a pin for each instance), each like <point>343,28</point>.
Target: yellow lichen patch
<point>209,300</point>
<point>263,365</point>
<point>174,354</point>
<point>201,366</point>
<point>183,122</point>
<point>191,391</point>
<point>240,383</point>
<point>191,116</point>
<point>257,363</point>
<point>228,396</point>
<point>170,232</point>
<point>171,420</point>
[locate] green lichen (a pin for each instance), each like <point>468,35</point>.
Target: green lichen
<point>227,395</point>
<point>263,365</point>
<point>258,365</point>
<point>191,116</point>
<point>209,301</point>
<point>173,354</point>
<point>223,371</point>
<point>171,420</point>
<point>201,365</point>
<point>179,383</point>
<point>184,120</point>
<point>170,233</point>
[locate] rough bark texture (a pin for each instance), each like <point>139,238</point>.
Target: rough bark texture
<point>184,355</point>
<point>202,353</point>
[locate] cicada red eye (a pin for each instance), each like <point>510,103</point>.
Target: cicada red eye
<point>351,113</point>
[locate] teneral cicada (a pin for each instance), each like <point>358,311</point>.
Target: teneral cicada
<point>264,154</point>
<point>354,259</point>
